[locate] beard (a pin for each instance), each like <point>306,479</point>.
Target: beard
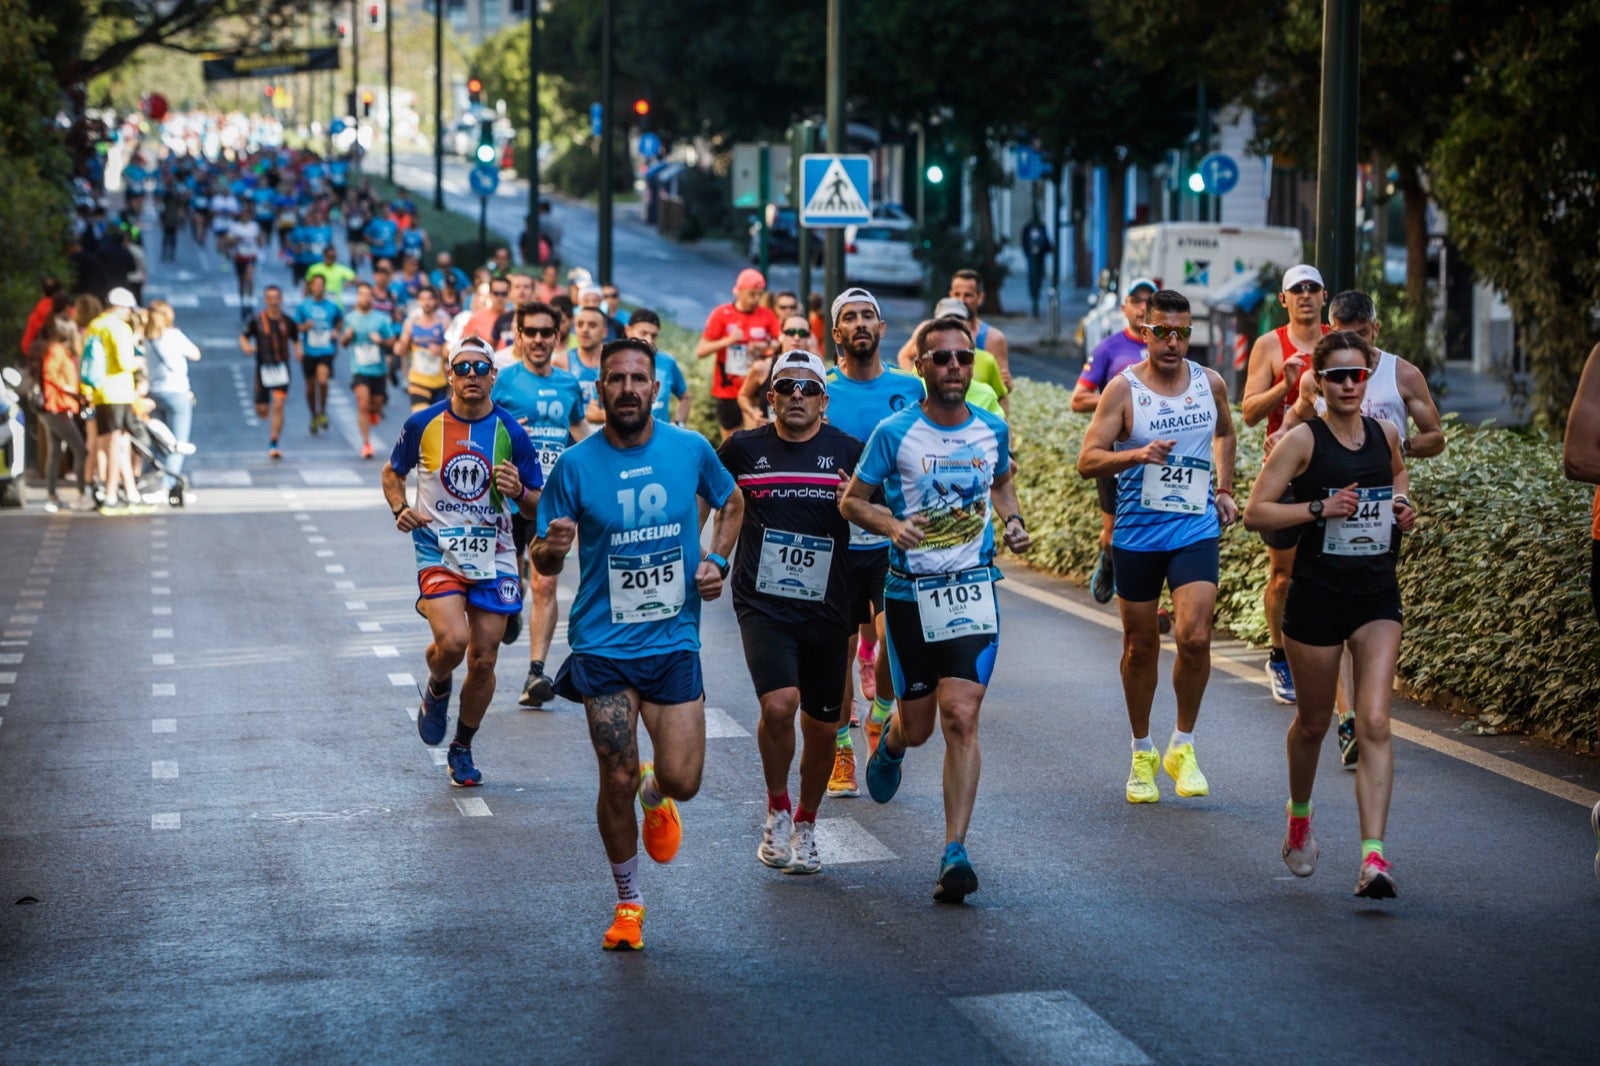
<point>854,350</point>
<point>629,420</point>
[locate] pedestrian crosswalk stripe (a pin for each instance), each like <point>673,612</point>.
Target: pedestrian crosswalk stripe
<point>843,840</point>
<point>720,724</point>
<point>472,807</point>
<point>1048,1027</point>
<point>166,821</point>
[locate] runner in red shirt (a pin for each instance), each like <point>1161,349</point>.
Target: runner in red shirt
<point>737,333</point>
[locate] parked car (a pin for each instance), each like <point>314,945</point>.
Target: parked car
<point>882,252</point>
<point>783,238</point>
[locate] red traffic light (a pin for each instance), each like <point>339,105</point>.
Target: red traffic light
<point>366,97</point>
<point>641,106</point>
<point>268,91</point>
<point>474,86</point>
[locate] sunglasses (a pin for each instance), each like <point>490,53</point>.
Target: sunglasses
<point>942,356</point>
<point>538,331</point>
<point>1164,333</point>
<point>1345,375</point>
<point>1305,287</point>
<point>797,332</point>
<point>790,386</point>
<point>478,368</point>
<point>499,292</point>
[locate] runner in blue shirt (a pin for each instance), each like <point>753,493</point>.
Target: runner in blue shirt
<point>631,496</point>
<point>369,333</point>
<point>645,324</point>
<point>380,234</point>
<point>319,319</point>
<point>447,269</point>
<point>548,404</point>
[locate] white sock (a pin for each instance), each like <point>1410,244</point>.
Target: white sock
<point>650,792</point>
<point>1143,744</point>
<point>626,875</point>
<point>1180,738</point>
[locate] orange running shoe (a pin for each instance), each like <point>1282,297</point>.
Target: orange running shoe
<point>366,449</point>
<point>842,783</point>
<point>663,831</point>
<point>627,929</point>
<point>874,731</point>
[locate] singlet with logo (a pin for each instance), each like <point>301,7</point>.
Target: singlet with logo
<point>943,473</point>
<point>1365,564</point>
<point>1290,398</point>
<point>759,326</point>
<point>588,376</point>
<point>427,365</point>
<point>790,565</point>
<point>638,513</point>
<point>1111,357</point>
<point>857,407</point>
<point>1168,506</point>
<point>546,405</point>
<point>455,459</point>
<point>367,355</point>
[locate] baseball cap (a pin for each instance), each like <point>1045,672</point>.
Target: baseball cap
<point>950,307</point>
<point>472,344</point>
<point>1143,283</point>
<point>798,360</point>
<point>1304,272</point>
<point>120,297</point>
<point>588,288</point>
<point>750,278</point>
<point>853,296</point>
<point>579,275</point>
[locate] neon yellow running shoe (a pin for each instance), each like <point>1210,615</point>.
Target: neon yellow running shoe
<point>1142,778</point>
<point>1181,766</point>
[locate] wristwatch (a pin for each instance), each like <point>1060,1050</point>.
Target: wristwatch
<point>1316,508</point>
<point>718,561</point>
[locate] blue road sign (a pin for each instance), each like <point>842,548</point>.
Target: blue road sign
<point>835,190</point>
<point>484,179</point>
<point>595,114</point>
<point>336,127</point>
<point>649,145</point>
<point>1030,164</point>
<point>1219,172</point>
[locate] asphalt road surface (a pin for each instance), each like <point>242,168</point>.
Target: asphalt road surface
<point>222,841</point>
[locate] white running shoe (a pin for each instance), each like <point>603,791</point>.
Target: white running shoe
<point>804,845</point>
<point>776,850</point>
<point>1300,847</point>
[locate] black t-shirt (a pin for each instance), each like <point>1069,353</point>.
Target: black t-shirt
<point>271,339</point>
<point>790,564</point>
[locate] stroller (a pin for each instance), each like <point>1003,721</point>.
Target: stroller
<point>153,440</point>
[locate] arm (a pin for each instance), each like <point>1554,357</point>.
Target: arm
<point>1428,441</point>
<point>1580,451</point>
<point>1000,348</point>
<point>1084,397</point>
<point>1287,461</point>
<point>1099,457</point>
<point>406,518</point>
<point>1224,446</point>
<point>707,347</point>
<point>1405,515</point>
<point>724,535</point>
<point>907,357</point>
<point>750,393</point>
<point>1003,494</point>
<point>856,505</point>
<point>684,403</point>
<point>550,551</point>
<point>403,344</point>
<point>1261,396</point>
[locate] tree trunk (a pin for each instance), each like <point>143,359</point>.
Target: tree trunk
<point>983,242</point>
<point>1117,214</point>
<point>1418,313</point>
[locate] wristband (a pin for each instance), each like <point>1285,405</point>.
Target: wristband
<point>1223,492</point>
<point>718,561</point>
<point>523,495</point>
<point>397,510</point>
<point>1405,500</point>
<point>1014,517</point>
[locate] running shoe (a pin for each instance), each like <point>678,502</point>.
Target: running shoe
<point>804,845</point>
<point>874,732</point>
<point>1349,750</point>
<point>513,629</point>
<point>663,830</point>
<point>883,772</point>
<point>1375,882</point>
<point>627,929</point>
<point>374,417</point>
<point>957,879</point>
<point>326,425</point>
<point>843,782</point>
<point>855,715</point>
<point>1594,820</point>
<point>1181,766</point>
<point>539,691</point>
<point>1300,848</point>
<point>315,425</point>
<point>434,714</point>
<point>869,675</point>
<point>1282,681</point>
<point>462,773</point>
<point>1142,778</point>
<point>52,505</point>
<point>776,849</point>
<point>274,453</point>
<point>1103,582</point>
<point>366,449</point>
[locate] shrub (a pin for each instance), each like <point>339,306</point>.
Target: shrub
<point>33,216</point>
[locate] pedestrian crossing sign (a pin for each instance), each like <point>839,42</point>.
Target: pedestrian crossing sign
<point>835,190</point>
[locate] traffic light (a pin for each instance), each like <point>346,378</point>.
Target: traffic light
<point>474,89</point>
<point>935,174</point>
<point>375,14</point>
<point>485,153</point>
<point>366,104</point>
<point>641,107</point>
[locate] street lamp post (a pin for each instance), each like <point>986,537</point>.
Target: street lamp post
<point>1336,143</point>
<point>533,132</point>
<point>607,133</point>
<point>438,104</point>
<point>388,95</point>
<point>833,244</point>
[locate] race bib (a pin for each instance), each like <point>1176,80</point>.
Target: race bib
<point>1180,485</point>
<point>956,605</point>
<point>645,588</point>
<point>366,354</point>
<point>1367,531</point>
<point>736,361</point>
<point>319,338</point>
<point>548,454</point>
<point>426,364</point>
<point>274,375</point>
<point>469,551</point>
<point>794,566</point>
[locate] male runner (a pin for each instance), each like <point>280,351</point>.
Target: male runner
<point>422,338</point>
<point>1160,429</point>
<point>790,593</point>
<point>520,292</point>
<point>548,404</point>
<point>1272,385</point>
<point>319,319</point>
<point>862,392</point>
<point>1111,357</point>
<point>672,399</point>
<point>334,274</point>
<point>966,285</point>
<point>941,465</point>
<point>369,334</point>
<point>270,338</point>
<point>633,496</point>
<point>475,468</point>
<point>583,360</point>
<point>1580,457</point>
<point>736,334</point>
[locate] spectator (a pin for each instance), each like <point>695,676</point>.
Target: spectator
<point>170,353</point>
<point>60,411</point>
<point>110,358</point>
<point>549,286</point>
<point>42,311</point>
<point>118,262</point>
<point>88,272</point>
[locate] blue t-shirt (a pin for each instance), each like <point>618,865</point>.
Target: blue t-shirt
<point>588,376</point>
<point>366,355</point>
<point>637,511</point>
<point>1110,357</point>
<point>858,406</point>
<point>673,385</point>
<point>943,473</point>
<point>413,240</point>
<point>547,406</point>
<point>263,199</point>
<point>380,238</point>
<point>339,171</point>
<point>317,320</point>
<point>309,242</point>
<point>463,283</point>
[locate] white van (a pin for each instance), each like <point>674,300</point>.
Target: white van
<point>1200,260</point>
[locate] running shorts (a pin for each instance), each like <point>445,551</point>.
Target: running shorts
<point>109,417</point>
<point>663,680</point>
<point>917,667</point>
<point>729,414</point>
<point>866,569</point>
<point>503,595</point>
<point>1324,618</point>
<point>376,383</point>
<point>1139,575</point>
<point>310,363</point>
<point>812,658</point>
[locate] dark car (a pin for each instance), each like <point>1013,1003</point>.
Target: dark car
<point>783,238</point>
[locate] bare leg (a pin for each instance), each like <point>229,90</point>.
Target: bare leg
<point>678,735</point>
<point>775,737</point>
<point>612,724</point>
<point>483,647</point>
<point>1316,670</point>
<point>959,703</point>
<point>1280,562</point>
<point>1141,656</point>
<point>1193,605</point>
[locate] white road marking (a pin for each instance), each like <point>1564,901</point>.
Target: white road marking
<point>1253,673</point>
<point>160,590</point>
<point>402,681</point>
<point>161,634</point>
<point>13,644</point>
<point>23,619</point>
<point>158,546</point>
<point>166,821</point>
<point>162,658</point>
<point>316,540</point>
<point>11,658</point>
<point>8,677</point>
<point>719,724</point>
<point>440,756</point>
<point>355,605</point>
<point>842,840</point>
<point>164,770</point>
<point>332,476</point>
<point>5,699</point>
<point>163,688</point>
<point>18,632</point>
<point>160,610</point>
<point>1048,1027</point>
<point>472,807</point>
<point>385,651</point>
<point>343,586</point>
<point>30,605</point>
<point>370,627</point>
<point>307,528</point>
<point>163,725</point>
<point>325,553</point>
<point>230,479</point>
<point>302,517</point>
<point>160,573</point>
<point>333,568</point>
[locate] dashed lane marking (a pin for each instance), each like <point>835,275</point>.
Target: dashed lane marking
<point>164,770</point>
<point>843,840</point>
<point>166,821</point>
<point>163,725</point>
<point>344,586</point>
<point>160,590</point>
<point>370,627</point>
<point>163,688</point>
<point>472,807</point>
<point>160,611</point>
<point>402,681</point>
<point>325,553</point>
<point>161,634</point>
<point>316,540</point>
<point>719,724</point>
<point>355,605</point>
<point>1049,1027</point>
<point>11,658</point>
<point>162,658</point>
<point>334,568</point>
<point>8,677</point>
<point>386,651</point>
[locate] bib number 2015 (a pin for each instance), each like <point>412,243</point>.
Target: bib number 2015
<point>645,588</point>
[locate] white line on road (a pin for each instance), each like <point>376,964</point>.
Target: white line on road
<point>18,632</point>
<point>13,644</point>
<point>302,517</point>
<point>402,681</point>
<point>166,821</point>
<point>386,651</point>
<point>160,573</point>
<point>370,627</point>
<point>440,755</point>
<point>355,605</point>
<point>30,605</point>
<point>23,619</point>
<point>1049,1027</point>
<point>160,590</point>
<point>161,634</point>
<point>308,528</point>
<point>325,553</point>
<point>316,540</point>
<point>5,699</point>
<point>160,611</point>
<point>163,688</point>
<point>842,840</point>
<point>332,476</point>
<point>344,586</point>
<point>162,658</point>
<point>163,725</point>
<point>719,724</point>
<point>472,807</point>
<point>8,677</point>
<point>164,770</point>
<point>334,568</point>
<point>11,658</point>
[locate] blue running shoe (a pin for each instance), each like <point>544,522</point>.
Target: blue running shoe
<point>1282,681</point>
<point>883,769</point>
<point>957,879</point>
<point>433,717</point>
<point>1102,583</point>
<point>462,773</point>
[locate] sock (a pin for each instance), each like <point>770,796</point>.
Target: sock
<point>536,668</point>
<point>1180,738</point>
<point>1278,656</point>
<point>1143,744</point>
<point>273,443</point>
<point>845,743</point>
<point>626,875</point>
<point>803,815</point>
<point>868,651</point>
<point>1371,847</point>
<point>650,792</point>
<point>436,689</point>
<point>881,709</point>
<point>778,802</point>
<point>464,734</point>
<point>1299,810</point>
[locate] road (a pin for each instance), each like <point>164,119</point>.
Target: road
<point>223,842</point>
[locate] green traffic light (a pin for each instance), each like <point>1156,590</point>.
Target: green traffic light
<point>1196,182</point>
<point>935,174</point>
<point>486,153</point>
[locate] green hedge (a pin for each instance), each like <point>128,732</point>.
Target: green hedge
<point>1494,578</point>
<point>448,231</point>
